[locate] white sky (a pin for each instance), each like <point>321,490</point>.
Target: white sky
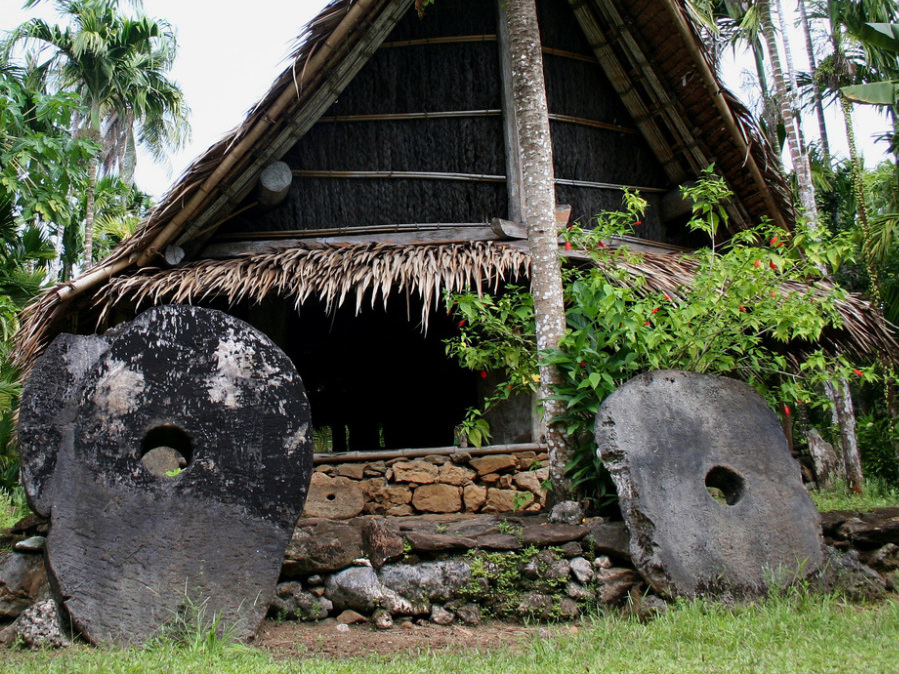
<point>230,52</point>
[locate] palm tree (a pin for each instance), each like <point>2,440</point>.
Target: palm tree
<point>119,65</point>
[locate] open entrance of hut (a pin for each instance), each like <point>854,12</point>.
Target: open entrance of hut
<point>376,380</point>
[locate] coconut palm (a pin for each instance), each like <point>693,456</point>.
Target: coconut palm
<point>119,65</point>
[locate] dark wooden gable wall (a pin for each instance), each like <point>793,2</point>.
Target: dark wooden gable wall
<point>417,136</point>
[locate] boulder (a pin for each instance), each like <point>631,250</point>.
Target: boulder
<point>291,602</point>
<point>358,588</point>
<point>493,463</point>
<point>321,546</point>
<point>337,498</point>
<point>711,495</point>
<point>23,581</point>
<point>608,538</point>
<point>428,581</point>
<point>417,472</point>
<point>475,497</point>
<point>380,543</point>
<point>38,627</point>
<point>437,498</point>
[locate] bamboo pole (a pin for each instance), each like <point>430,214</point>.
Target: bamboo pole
<point>387,454</point>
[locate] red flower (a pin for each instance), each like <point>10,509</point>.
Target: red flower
<point>655,310</point>
<point>773,293</point>
<point>647,323</point>
<point>583,364</point>
<point>758,263</point>
<point>509,387</point>
<point>461,323</point>
<point>667,298</point>
<point>483,374</point>
<point>858,373</point>
<point>773,240</point>
<point>638,223</point>
<point>568,245</point>
<point>787,410</point>
<point>772,265</point>
<point>602,244</point>
<point>742,308</point>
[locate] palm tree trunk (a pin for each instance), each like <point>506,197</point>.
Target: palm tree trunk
<point>89,214</point>
<point>538,186</point>
<point>843,414</point>
<point>813,67</point>
<point>797,156</point>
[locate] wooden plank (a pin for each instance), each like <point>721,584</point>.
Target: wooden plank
<point>414,175</point>
<point>343,231</point>
<point>449,235</point>
<point>400,116</point>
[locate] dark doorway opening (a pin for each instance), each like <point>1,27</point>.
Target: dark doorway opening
<point>374,379</point>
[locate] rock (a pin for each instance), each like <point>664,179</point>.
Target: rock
<point>473,527</point>
<point>354,471</point>
<point>417,472</point>
<point>321,546</point>
<point>374,469</point>
<point>647,606</point>
<point>382,619</point>
<point>336,498</point>
<point>380,544</point>
<point>33,544</point>
<point>475,496</point>
<point>602,562</point>
<point>616,592</point>
<point>39,627</point>
<point>536,605</point>
<point>566,512</point>
<point>460,457</point>
<point>614,575</point>
<point>695,436</point>
<point>343,628</point>
<point>529,482</point>
<point>433,542</point>
<point>578,592</point>
<point>32,524</point>
<point>23,581</point>
<point>568,609</point>
<point>129,549</point>
<point>437,498</point>
<point>350,617</point>
<point>499,542</point>
<point>503,500</point>
<point>317,591</point>
<point>571,549</point>
<point>545,535</point>
<point>536,567</point>
<point>440,616</point>
<point>428,581</point>
<point>843,572</point>
<point>558,570</point>
<point>493,463</point>
<point>828,466</point>
<point>608,538</point>
<point>291,602</point>
<point>491,480</point>
<point>582,570</point>
<point>314,579</point>
<point>526,460</point>
<point>470,614</point>
<point>358,588</point>
<point>872,530</point>
<point>884,559</point>
<point>455,475</point>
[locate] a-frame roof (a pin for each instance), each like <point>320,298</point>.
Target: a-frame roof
<point>649,49</point>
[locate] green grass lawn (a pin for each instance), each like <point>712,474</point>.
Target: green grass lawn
<point>798,633</point>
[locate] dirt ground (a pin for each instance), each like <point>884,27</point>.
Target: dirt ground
<point>323,639</point>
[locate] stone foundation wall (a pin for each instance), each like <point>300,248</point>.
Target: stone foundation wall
<point>433,484</point>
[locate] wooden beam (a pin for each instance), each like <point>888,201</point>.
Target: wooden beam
<point>415,175</point>
<point>344,231</point>
<point>514,180</point>
<point>447,235</point>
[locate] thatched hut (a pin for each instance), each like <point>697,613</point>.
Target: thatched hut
<point>364,183</point>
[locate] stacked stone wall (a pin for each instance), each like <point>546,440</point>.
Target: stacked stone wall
<point>433,484</point>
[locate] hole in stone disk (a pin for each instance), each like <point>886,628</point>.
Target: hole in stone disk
<point>724,485</point>
<point>331,497</point>
<point>166,451</point>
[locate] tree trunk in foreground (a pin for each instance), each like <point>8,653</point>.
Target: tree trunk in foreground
<point>844,417</point>
<point>538,186</point>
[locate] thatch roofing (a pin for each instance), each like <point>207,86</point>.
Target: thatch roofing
<point>649,49</point>
<point>374,272</point>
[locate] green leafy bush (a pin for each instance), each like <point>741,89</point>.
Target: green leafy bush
<point>754,310</point>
